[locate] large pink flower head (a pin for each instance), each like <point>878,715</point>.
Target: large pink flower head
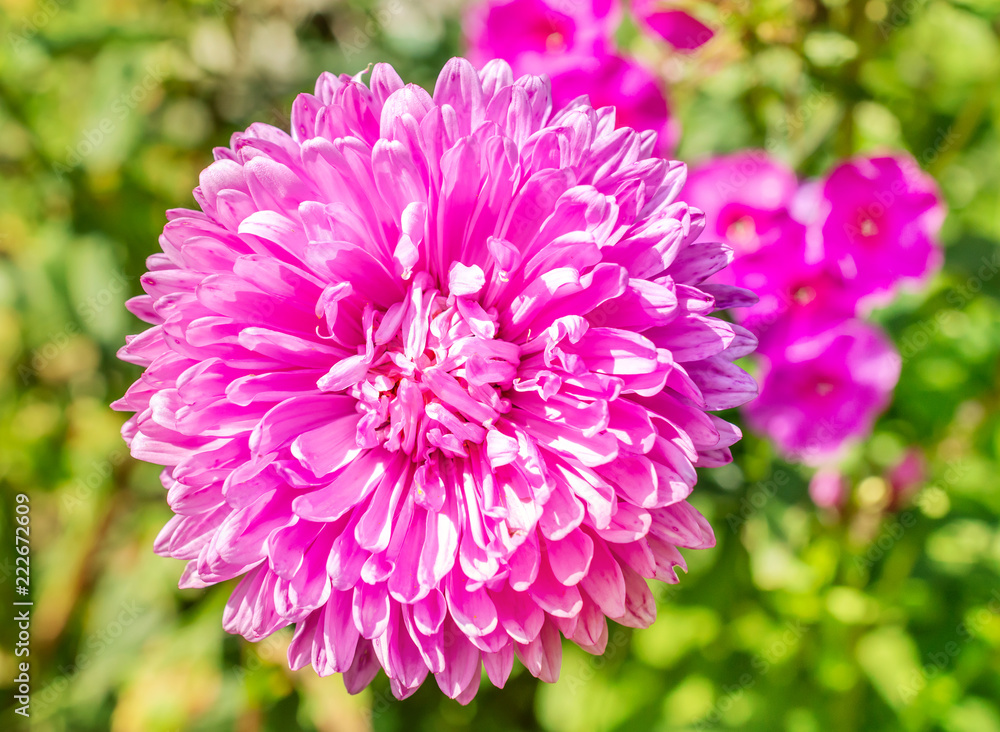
<point>432,374</point>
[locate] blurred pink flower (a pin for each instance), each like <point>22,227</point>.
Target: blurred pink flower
<point>823,390</point>
<point>432,375</point>
<point>741,194</point>
<point>907,476</point>
<point>572,42</point>
<point>610,80</point>
<point>880,221</point>
<point>539,36</point>
<point>681,30</point>
<point>748,199</point>
<point>795,298</point>
<point>813,252</point>
<point>829,488</point>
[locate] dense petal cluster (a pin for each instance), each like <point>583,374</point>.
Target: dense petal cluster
<point>432,374</point>
<point>819,255</point>
<point>574,44</point>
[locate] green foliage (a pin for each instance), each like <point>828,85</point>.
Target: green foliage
<point>879,618</point>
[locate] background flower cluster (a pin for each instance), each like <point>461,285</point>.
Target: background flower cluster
<point>573,42</point>
<point>820,255</point>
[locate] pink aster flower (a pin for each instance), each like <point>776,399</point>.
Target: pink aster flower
<point>881,218</point>
<point>821,391</point>
<point>432,375</point>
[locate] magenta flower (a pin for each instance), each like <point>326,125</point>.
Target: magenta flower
<point>748,199</point>
<point>881,218</point>
<point>741,193</point>
<point>821,391</point>
<point>815,252</point>
<point>572,42</point>
<point>795,298</point>
<point>681,30</point>
<point>540,36</point>
<point>432,375</point>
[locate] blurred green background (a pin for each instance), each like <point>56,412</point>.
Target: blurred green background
<point>882,617</point>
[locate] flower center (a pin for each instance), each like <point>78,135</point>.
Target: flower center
<point>742,234</point>
<point>555,42</point>
<point>431,373</point>
<point>866,228</point>
<point>823,388</point>
<point>803,294</point>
